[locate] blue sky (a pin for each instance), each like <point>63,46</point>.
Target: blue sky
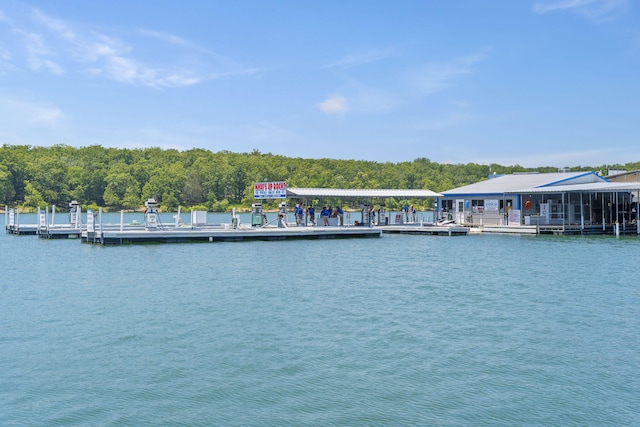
<point>529,82</point>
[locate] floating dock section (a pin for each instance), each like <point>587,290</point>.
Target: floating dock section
<point>46,227</point>
<point>51,230</point>
<point>426,229</point>
<point>63,231</point>
<point>615,229</point>
<point>13,226</point>
<point>152,231</point>
<point>22,229</point>
<point>223,234</point>
<point>505,229</point>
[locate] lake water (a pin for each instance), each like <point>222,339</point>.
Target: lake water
<point>402,330</point>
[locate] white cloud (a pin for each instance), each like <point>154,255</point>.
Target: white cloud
<point>420,81</point>
<point>361,58</point>
<point>55,25</point>
<point>56,46</point>
<point>46,115</point>
<point>112,58</point>
<point>438,76</point>
<point>38,54</point>
<point>594,9</point>
<point>30,114</point>
<point>455,119</point>
<point>6,64</point>
<point>367,99</point>
<point>166,37</point>
<point>226,67</point>
<point>334,104</point>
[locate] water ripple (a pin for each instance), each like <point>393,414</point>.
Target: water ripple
<point>403,330</point>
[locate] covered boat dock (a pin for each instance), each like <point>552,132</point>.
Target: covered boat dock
<point>589,208</point>
<point>545,203</point>
<point>373,210</point>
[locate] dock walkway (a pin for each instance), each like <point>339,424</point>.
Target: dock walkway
<point>223,234</point>
<point>61,231</point>
<point>426,229</point>
<point>22,229</point>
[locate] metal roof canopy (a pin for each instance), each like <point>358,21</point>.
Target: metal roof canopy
<point>593,187</point>
<point>514,182</point>
<point>354,193</point>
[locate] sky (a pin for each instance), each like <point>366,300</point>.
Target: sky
<point>514,82</point>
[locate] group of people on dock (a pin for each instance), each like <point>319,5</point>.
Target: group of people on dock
<point>326,213</point>
<point>410,210</point>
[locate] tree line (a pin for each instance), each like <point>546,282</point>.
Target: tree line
<point>122,178</point>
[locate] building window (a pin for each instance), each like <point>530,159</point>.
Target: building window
<point>477,206</point>
<point>447,205</point>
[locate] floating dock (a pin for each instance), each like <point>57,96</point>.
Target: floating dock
<point>13,226</point>
<point>46,227</point>
<point>152,231</point>
<point>223,234</point>
<point>504,229</point>
<point>62,231</point>
<point>22,229</point>
<point>49,231</point>
<point>426,229</point>
<point>597,229</point>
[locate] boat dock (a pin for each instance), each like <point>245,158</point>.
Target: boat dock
<point>505,229</point>
<point>62,231</point>
<point>598,229</point>
<point>223,234</point>
<point>48,229</point>
<point>152,231</point>
<point>13,226</point>
<point>426,229</point>
<point>22,229</point>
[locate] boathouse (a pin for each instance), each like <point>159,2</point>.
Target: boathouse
<point>367,199</point>
<point>563,202</point>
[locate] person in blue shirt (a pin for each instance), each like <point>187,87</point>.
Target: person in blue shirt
<point>324,214</point>
<point>299,215</point>
<point>340,215</point>
<point>312,214</point>
<point>405,208</point>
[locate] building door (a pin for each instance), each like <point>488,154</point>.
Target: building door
<point>459,211</point>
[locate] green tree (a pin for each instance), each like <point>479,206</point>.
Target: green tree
<point>15,159</point>
<point>167,181</point>
<point>123,178</point>
<point>7,193</point>
<point>49,177</point>
<point>122,191</point>
<point>32,197</point>
<point>195,190</point>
